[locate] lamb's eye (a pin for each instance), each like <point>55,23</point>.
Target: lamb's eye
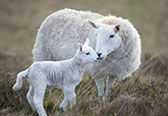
<point>87,53</point>
<point>111,36</point>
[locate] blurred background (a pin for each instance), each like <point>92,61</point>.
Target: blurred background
<point>20,20</point>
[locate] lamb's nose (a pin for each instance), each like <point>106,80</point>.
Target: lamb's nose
<point>99,54</point>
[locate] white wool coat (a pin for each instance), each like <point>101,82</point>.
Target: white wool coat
<point>62,73</point>
<point>60,32</point>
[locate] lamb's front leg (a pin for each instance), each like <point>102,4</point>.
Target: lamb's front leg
<point>72,98</point>
<point>64,103</point>
<point>69,96</point>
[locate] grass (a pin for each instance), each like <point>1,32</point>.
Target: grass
<point>143,94</point>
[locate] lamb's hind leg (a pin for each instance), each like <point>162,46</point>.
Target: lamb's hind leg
<point>100,86</point>
<point>39,92</point>
<point>30,95</point>
<point>109,84</point>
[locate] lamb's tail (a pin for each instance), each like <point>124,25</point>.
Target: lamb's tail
<point>18,84</point>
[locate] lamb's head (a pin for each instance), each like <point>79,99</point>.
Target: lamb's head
<point>108,39</point>
<point>86,53</point>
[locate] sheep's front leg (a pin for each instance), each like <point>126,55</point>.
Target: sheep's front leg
<point>100,86</point>
<point>109,85</point>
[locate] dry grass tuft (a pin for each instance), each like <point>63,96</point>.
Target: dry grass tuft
<point>160,64</point>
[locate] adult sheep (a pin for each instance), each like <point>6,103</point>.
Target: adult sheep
<point>115,39</point>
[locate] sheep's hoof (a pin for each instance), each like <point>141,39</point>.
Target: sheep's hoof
<point>106,98</point>
<point>100,97</point>
<point>33,109</point>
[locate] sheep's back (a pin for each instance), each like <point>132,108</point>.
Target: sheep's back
<point>61,32</point>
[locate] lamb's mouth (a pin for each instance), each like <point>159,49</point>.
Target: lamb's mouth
<point>100,58</point>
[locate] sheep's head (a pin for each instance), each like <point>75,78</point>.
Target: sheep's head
<point>108,39</point>
<point>87,54</point>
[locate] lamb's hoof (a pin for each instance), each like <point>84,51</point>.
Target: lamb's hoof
<point>106,98</point>
<point>15,88</point>
<point>61,109</point>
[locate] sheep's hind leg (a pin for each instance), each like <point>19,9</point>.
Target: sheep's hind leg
<point>30,95</point>
<point>39,92</point>
<point>109,84</point>
<point>100,87</point>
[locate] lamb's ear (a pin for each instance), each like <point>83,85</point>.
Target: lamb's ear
<point>117,28</point>
<point>87,41</point>
<point>80,46</point>
<point>94,24</point>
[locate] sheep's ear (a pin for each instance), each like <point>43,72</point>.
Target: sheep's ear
<point>94,24</point>
<point>87,41</point>
<point>117,28</point>
<point>80,46</point>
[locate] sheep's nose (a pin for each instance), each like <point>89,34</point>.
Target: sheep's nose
<point>99,54</point>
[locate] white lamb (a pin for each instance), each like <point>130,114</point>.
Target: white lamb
<point>67,74</point>
<point>115,39</point>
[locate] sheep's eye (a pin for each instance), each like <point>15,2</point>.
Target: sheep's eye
<point>111,36</point>
<point>87,53</point>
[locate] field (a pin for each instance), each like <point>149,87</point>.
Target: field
<point>143,94</point>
